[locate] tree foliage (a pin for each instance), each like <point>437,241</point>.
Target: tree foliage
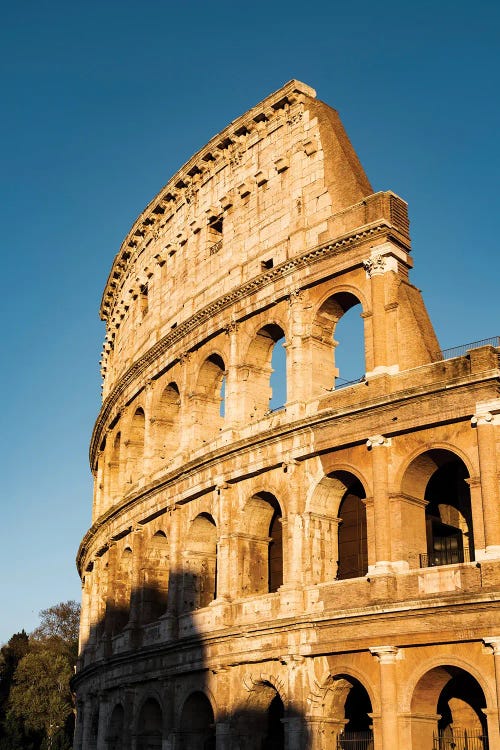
<point>36,706</point>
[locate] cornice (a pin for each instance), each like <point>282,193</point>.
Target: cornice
<point>178,188</point>
<point>320,252</point>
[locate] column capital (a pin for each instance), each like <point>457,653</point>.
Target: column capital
<point>487,412</point>
<point>385,654</point>
<point>494,642</point>
<point>378,440</point>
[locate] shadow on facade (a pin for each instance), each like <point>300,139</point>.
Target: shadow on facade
<point>182,695</point>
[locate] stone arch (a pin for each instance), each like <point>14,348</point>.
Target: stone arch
<point>438,477</point>
<point>262,545</point>
<point>345,707</point>
<point>149,727</point>
<point>258,370</point>
<point>208,397</point>
<point>122,590</point>
<point>337,528</point>
<point>197,722</point>
<point>156,574</point>
<point>114,466</point>
<point>166,432</point>
<point>329,313</point>
<point>200,563</point>
<point>449,701</point>
<point>135,445</point>
<point>259,721</point>
<point>115,729</point>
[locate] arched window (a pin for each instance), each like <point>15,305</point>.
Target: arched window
<point>155,584</point>
<point>197,723</point>
<point>114,470</point>
<point>200,563</point>
<point>114,735</point>
<point>209,405</point>
<point>135,449</point>
<point>265,385</point>
<point>352,546</point>
<point>149,726</point>
<point>457,702</point>
<point>262,546</point>
<point>440,478</point>
<point>338,343</point>
<point>122,591</point>
<point>166,425</point>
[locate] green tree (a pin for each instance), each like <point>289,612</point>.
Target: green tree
<point>58,629</point>
<point>40,696</point>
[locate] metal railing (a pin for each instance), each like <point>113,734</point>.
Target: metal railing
<point>461,739</point>
<point>444,557</point>
<point>355,741</point>
<point>459,351</point>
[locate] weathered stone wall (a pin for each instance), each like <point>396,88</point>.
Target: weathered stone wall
<point>260,578</point>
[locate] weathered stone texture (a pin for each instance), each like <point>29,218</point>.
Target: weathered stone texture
<point>257,578</point>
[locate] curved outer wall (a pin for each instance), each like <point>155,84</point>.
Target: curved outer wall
<point>258,578</point>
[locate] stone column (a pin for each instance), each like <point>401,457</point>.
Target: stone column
<point>84,635</point>
<point>149,431</point>
<point>382,260</point>
<point>378,446</point>
<point>485,421</point>
<point>494,643</point>
<point>386,656</point>
<point>298,371</point>
<point>175,573</point>
<point>225,560</point>
<point>109,616</point>
<point>136,583</point>
<point>233,404</point>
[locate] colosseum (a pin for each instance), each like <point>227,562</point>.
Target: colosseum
<point>318,571</point>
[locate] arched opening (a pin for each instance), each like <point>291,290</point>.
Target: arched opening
<point>149,726</point>
<point>265,372</point>
<point>454,703</point>
<point>337,529</point>
<point>114,735</point>
<point>349,708</point>
<point>440,478</point>
<point>122,590</point>
<point>260,723</point>
<point>166,425</point>
<point>200,563</point>
<point>197,724</point>
<point>155,584</point>
<point>262,546</point>
<point>338,343</point>
<point>209,406</point>
<point>352,544</point>
<point>114,469</point>
<point>135,448</point>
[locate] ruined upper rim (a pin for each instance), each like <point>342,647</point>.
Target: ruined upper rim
<point>175,189</point>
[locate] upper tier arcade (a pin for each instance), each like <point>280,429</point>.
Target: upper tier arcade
<point>272,204</point>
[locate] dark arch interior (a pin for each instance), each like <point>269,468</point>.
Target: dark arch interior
<point>275,736</point>
<point>197,723</point>
<point>352,543</point>
<point>357,708</point>
<point>448,515</point>
<point>461,693</point>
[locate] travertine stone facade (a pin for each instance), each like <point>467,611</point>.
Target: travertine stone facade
<point>302,577</point>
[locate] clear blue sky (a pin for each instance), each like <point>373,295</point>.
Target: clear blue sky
<point>103,100</point>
